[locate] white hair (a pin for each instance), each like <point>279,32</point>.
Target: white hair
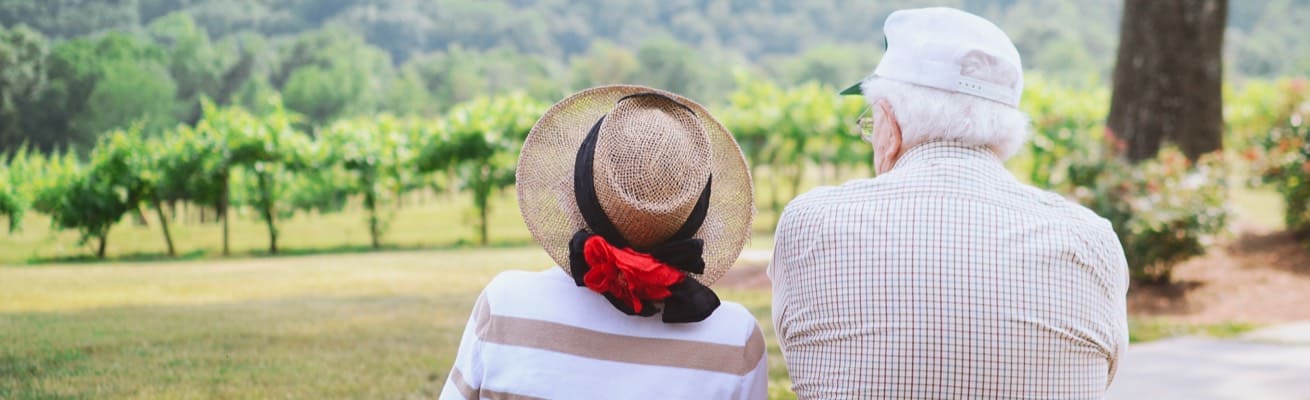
<point>928,115</point>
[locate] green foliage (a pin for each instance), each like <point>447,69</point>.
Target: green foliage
<point>787,130</point>
<point>267,153</point>
<point>23,55</point>
<point>377,162</point>
<point>196,66</point>
<point>127,92</point>
<point>117,178</point>
<point>480,142</point>
<point>1068,127</point>
<point>13,202</point>
<point>1282,156</point>
<point>332,73</point>
<point>1164,210</point>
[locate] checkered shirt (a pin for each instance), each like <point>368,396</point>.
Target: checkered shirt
<point>946,278</point>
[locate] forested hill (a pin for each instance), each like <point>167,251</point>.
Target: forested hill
<point>1062,38</point>
<point>74,69</point>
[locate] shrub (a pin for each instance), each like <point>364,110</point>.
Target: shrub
<point>1282,157</point>
<point>1164,210</point>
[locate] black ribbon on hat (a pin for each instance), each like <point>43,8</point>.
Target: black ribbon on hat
<point>689,301</point>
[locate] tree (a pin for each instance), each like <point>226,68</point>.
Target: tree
<point>193,62</point>
<point>333,73</point>
<point>376,157</point>
<point>115,181</point>
<point>1168,76</point>
<point>604,64</point>
<point>23,55</point>
<point>219,138</point>
<point>829,64</point>
<point>265,151</point>
<point>97,85</point>
<point>128,92</point>
<point>481,142</point>
<point>13,202</point>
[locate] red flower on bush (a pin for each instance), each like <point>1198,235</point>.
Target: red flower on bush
<point>626,274</point>
<point>1118,145</point>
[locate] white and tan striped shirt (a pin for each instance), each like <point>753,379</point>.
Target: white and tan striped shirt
<point>537,335</point>
<point>946,278</point>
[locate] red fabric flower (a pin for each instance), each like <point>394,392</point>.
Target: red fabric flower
<point>627,274</point>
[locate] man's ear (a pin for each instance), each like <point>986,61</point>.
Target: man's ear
<point>892,144</point>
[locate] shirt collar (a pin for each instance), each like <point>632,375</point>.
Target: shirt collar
<point>940,152</point>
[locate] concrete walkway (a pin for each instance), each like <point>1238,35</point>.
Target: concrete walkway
<point>1272,363</point>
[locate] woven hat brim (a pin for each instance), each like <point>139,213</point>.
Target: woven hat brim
<point>545,178</point>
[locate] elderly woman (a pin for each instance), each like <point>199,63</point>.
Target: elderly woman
<point>944,277</point>
<point>644,200</point>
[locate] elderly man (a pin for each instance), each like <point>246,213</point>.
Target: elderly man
<point>944,277</point>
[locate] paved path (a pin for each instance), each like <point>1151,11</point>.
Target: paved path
<point>1267,364</point>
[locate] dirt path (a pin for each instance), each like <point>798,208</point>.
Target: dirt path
<point>1258,276</point>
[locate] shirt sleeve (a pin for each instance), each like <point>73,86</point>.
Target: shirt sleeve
<point>1112,265</point>
<point>1119,305</point>
<point>790,254</point>
<point>464,380</point>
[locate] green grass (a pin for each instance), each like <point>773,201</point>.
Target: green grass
<point>1152,329</point>
<point>377,325</point>
<point>1262,207</point>
<point>439,221</point>
<point>346,325</point>
<point>382,325</point>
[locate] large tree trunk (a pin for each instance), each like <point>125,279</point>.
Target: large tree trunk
<point>1168,76</point>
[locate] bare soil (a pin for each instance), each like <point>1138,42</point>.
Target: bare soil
<point>1259,276</point>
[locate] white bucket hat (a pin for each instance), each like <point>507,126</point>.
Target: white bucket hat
<point>943,48</point>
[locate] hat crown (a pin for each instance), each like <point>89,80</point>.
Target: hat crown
<point>547,192</point>
<point>952,50</point>
<point>651,164</point>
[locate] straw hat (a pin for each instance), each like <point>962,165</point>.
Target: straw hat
<point>655,154</point>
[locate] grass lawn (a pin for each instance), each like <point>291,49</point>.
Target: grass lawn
<point>382,325</point>
<point>376,325</point>
<point>345,325</point>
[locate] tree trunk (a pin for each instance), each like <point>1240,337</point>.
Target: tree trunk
<point>482,227</point>
<point>163,223</point>
<point>272,233</point>
<point>104,242</point>
<point>140,216</point>
<point>374,230</point>
<point>1168,76</point>
<point>222,207</point>
<point>267,208</point>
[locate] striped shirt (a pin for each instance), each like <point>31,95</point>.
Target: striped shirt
<point>945,278</point>
<point>537,335</point>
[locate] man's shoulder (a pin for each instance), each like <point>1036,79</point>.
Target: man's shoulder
<point>1080,217</point>
<point>824,196</point>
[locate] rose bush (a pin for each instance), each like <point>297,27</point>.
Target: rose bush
<point>1164,210</point>
<point>1282,156</point>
